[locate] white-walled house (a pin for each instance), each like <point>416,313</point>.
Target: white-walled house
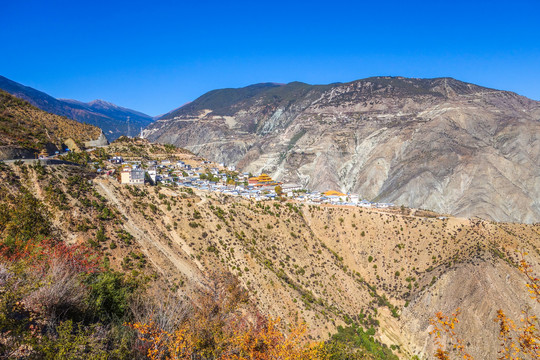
<point>132,176</point>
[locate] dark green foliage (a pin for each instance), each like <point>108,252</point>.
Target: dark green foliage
<point>353,342</point>
<point>78,185</point>
<point>106,214</point>
<point>136,191</point>
<point>79,157</point>
<point>100,235</point>
<point>126,237</point>
<point>24,217</point>
<point>209,177</point>
<point>187,190</point>
<point>170,148</point>
<point>110,293</point>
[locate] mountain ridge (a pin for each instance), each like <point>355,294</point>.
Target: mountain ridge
<point>262,87</point>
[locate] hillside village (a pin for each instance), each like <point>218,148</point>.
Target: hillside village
<point>208,176</point>
<point>251,181</point>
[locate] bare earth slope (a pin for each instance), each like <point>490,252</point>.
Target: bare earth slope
<point>325,264</point>
<point>439,143</point>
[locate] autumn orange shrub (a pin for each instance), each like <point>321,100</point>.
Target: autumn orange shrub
<point>222,326</point>
<point>443,324</point>
<point>256,343</point>
<point>521,341</point>
<point>269,342</point>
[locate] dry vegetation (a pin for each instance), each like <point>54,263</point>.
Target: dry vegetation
<point>325,265</point>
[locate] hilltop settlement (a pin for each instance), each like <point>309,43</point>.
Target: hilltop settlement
<point>204,175</point>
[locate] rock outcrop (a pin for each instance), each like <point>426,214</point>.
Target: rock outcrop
<point>100,141</point>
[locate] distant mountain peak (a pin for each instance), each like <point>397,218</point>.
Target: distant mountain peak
<point>103,103</point>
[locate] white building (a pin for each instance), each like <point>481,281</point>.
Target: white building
<point>153,174</point>
<point>291,187</point>
<point>132,176</point>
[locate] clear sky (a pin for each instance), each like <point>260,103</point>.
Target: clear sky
<point>154,56</point>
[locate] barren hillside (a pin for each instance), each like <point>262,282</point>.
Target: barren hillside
<point>326,265</point>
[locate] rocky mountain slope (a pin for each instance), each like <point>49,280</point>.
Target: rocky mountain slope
<point>109,117</point>
<point>440,144</point>
<point>26,130</point>
<point>326,265</point>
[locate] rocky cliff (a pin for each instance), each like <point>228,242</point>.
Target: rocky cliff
<point>438,143</point>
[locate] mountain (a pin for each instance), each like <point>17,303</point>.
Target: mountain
<point>109,117</point>
<point>439,144</point>
<point>25,129</point>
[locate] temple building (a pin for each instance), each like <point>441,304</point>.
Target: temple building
<point>263,180</point>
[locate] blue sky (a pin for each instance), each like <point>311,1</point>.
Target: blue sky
<point>154,56</point>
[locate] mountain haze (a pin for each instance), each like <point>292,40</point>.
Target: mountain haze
<point>441,144</point>
<point>109,117</point>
